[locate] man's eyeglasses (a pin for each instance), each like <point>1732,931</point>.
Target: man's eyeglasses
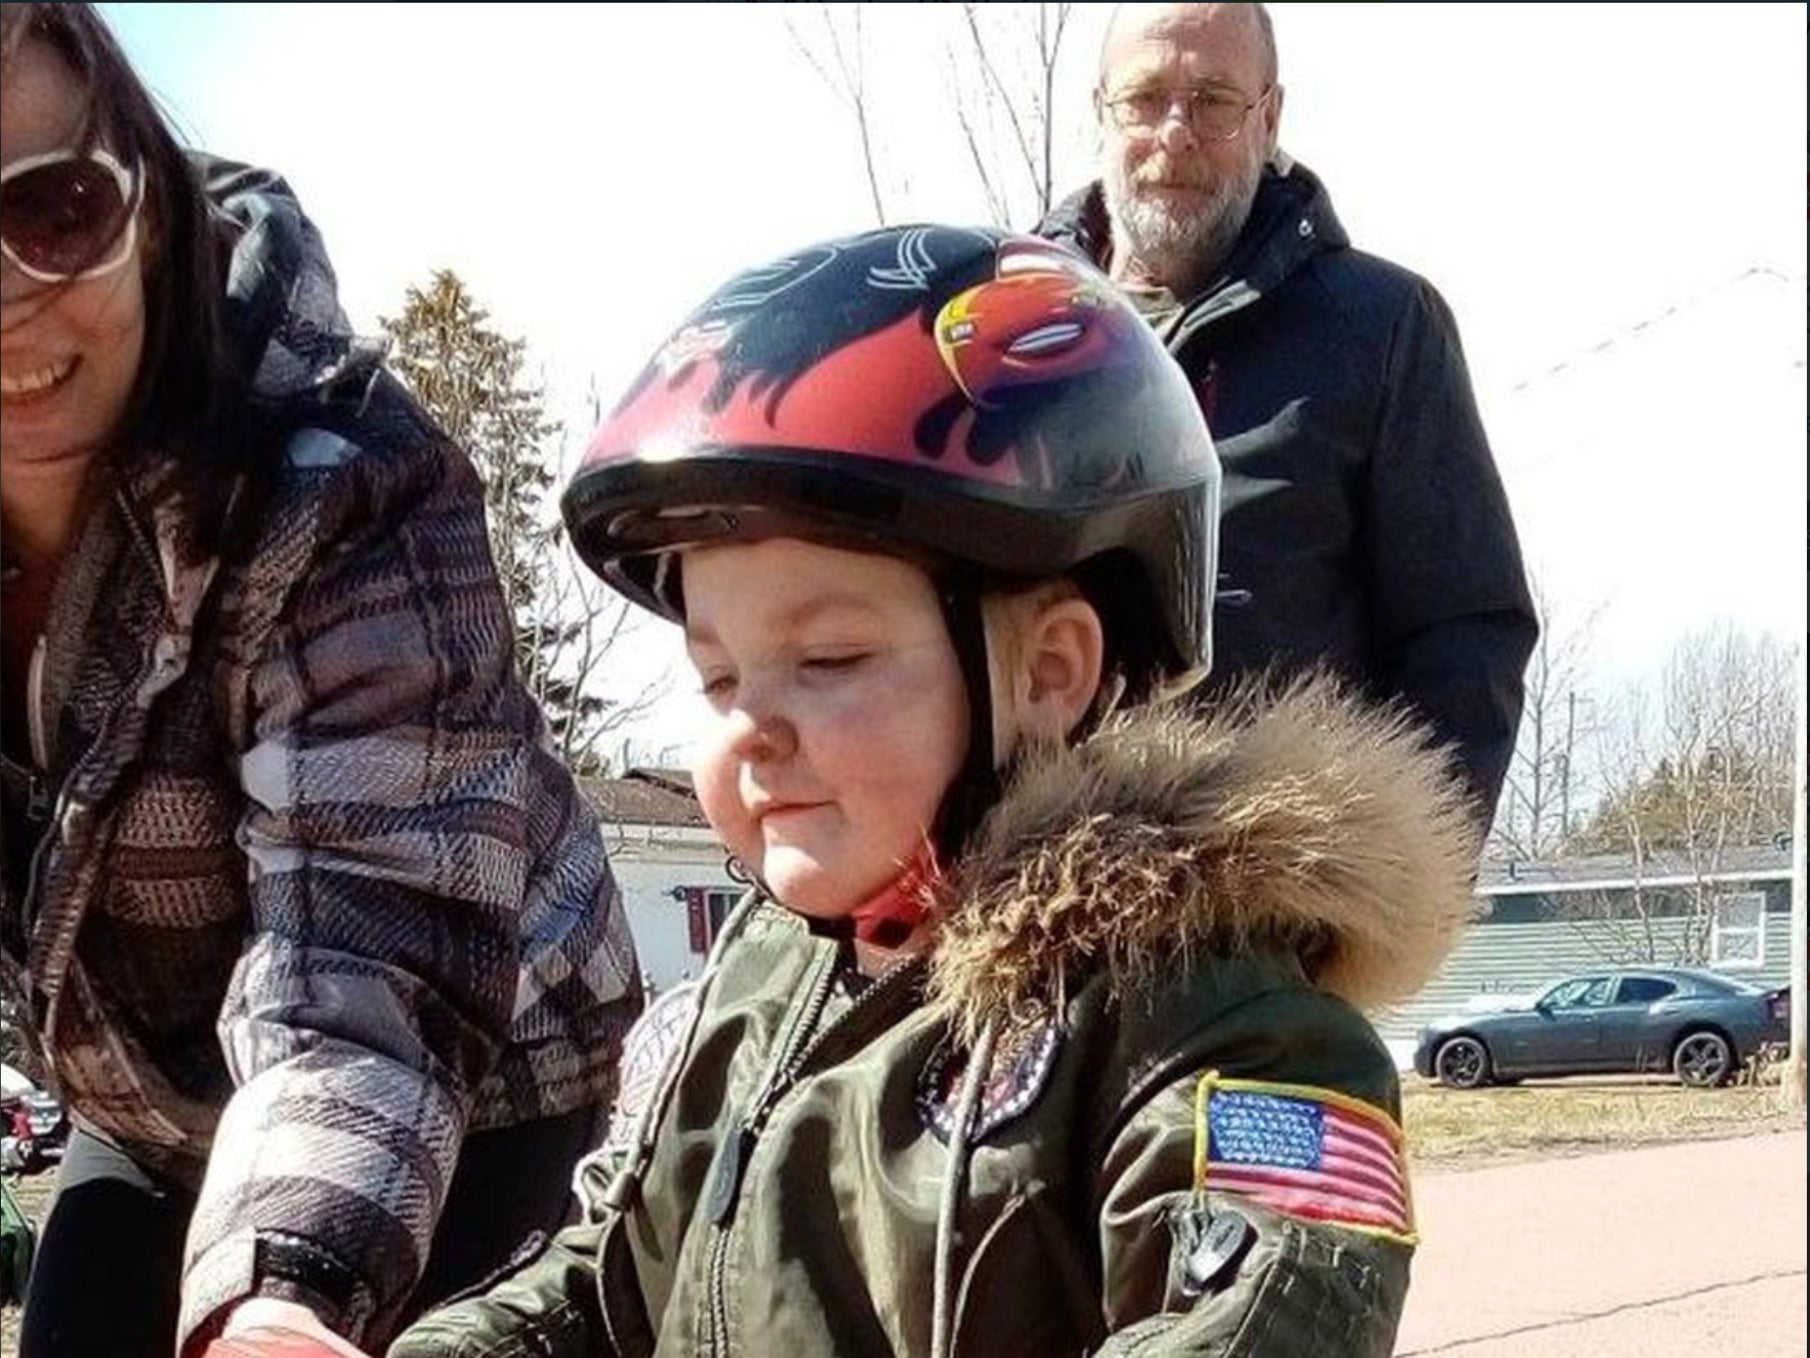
<point>68,215</point>
<point>1212,113</point>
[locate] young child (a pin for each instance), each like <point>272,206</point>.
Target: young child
<point>1037,1033</point>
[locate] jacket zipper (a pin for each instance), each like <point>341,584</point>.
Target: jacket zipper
<point>36,735</point>
<point>726,1178</point>
<point>726,1175</point>
<point>44,806</point>
<point>39,737</point>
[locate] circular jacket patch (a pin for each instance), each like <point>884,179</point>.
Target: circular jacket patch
<point>1021,1069</point>
<point>650,1055</point>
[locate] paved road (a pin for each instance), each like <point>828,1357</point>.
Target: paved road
<point>1696,1248</point>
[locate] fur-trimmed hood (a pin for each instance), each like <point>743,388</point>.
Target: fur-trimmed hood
<point>1305,821</point>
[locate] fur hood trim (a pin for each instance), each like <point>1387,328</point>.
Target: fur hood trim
<point>1304,822</point>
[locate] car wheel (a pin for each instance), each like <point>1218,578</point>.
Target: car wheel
<point>1703,1059</point>
<point>1462,1063</point>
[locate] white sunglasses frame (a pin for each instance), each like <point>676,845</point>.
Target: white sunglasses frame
<point>130,191</point>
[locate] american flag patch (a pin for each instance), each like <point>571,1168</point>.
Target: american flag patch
<point>1305,1152</point>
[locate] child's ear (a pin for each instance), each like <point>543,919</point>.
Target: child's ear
<point>1059,664</point>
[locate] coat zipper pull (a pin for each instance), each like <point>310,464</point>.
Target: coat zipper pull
<point>40,799</point>
<point>726,1181</point>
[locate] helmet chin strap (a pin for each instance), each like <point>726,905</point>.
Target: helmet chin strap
<point>977,783</point>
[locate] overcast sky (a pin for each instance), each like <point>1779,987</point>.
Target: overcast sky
<point>1611,198</point>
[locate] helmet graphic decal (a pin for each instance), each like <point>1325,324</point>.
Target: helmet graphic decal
<point>1031,327</point>
<point>786,353</point>
<point>975,397</point>
<point>760,285</point>
<point>834,296</point>
<point>913,267</point>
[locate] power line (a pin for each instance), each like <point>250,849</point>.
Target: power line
<point>1643,328</point>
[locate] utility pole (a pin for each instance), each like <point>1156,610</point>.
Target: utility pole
<point>1791,1088</point>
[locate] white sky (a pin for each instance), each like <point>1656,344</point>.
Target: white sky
<point>1608,196</point>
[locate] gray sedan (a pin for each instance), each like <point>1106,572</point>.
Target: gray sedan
<point>1699,1025</point>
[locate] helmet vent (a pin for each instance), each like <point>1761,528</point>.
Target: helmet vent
<point>641,529</point>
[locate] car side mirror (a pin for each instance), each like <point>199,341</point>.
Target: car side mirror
<point>1543,1006</point>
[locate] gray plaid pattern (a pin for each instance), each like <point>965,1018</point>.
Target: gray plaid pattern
<point>318,898</point>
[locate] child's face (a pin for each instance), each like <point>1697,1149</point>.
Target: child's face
<point>838,716</point>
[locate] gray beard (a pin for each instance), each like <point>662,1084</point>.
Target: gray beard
<point>1179,250</point>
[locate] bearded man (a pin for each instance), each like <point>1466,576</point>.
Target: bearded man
<point>1364,526</point>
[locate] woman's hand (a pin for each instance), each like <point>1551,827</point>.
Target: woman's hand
<point>263,1327</point>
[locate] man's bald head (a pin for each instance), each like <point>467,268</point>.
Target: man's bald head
<point>1241,25</point>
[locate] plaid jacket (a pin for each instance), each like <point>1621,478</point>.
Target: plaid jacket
<point>317,898</point>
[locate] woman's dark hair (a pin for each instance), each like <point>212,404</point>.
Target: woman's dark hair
<point>190,400</point>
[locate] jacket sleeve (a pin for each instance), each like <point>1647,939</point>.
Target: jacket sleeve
<point>553,1306</point>
<point>386,753</point>
<point>549,1308</point>
<point>1451,613</point>
<point>1196,1264</point>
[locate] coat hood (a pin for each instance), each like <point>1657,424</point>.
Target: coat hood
<point>286,329</point>
<point>1305,823</point>
<point>282,299</point>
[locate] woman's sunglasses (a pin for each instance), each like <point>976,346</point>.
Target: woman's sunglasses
<point>68,215</point>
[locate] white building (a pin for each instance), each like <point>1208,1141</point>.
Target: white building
<point>671,868</point>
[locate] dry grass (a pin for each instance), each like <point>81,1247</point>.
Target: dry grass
<point>1460,1129</point>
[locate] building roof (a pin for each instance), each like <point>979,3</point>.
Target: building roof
<point>660,796</point>
<point>645,797</point>
<point>1507,877</point>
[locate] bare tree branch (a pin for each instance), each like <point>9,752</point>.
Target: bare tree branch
<point>846,77</point>
<point>1534,815</point>
<point>1696,768</point>
<point>1049,49</point>
<point>999,211</point>
<point>1010,108</point>
<point>1003,98</point>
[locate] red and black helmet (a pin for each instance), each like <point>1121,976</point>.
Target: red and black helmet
<point>973,397</point>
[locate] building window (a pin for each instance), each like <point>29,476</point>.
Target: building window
<point>706,907</point>
<point>1738,935</point>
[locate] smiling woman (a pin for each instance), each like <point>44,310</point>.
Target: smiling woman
<point>75,310</point>
<point>316,936</point>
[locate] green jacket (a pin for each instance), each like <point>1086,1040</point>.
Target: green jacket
<point>1164,929</point>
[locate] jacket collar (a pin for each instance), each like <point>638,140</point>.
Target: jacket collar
<point>1309,825</point>
<point>285,324</point>
<point>1291,222</point>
